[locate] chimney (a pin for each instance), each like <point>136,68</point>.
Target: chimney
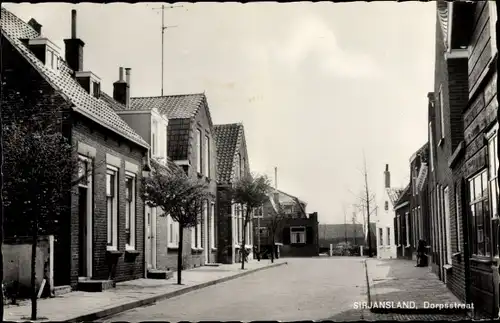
<point>121,91</point>
<point>35,25</point>
<point>387,175</point>
<point>127,80</point>
<point>74,47</point>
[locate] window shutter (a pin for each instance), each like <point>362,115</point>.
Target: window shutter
<point>309,235</point>
<point>286,235</point>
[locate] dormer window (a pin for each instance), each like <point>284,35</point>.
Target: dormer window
<point>90,82</point>
<point>46,51</point>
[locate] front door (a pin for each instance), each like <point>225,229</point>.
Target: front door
<point>150,238</point>
<point>84,234</point>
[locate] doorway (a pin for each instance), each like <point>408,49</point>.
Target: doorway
<point>85,221</point>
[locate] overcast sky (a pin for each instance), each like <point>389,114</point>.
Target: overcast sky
<point>315,84</point>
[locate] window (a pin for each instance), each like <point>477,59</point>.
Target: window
<point>480,215</point>
<point>441,110</point>
<point>493,18</point>
<point>130,210</point>
<point>447,219</point>
<point>414,181</point>
<point>388,236</point>
<point>297,235</point>
<point>493,186</point>
<point>386,205</point>
<point>199,151</point>
<point>173,232</point>
<point>457,213</point>
<point>207,156</point>
<point>398,229</point>
<point>83,171</point>
<point>212,225</point>
<point>96,89</point>
<point>407,222</point>
<point>196,236</point>
<point>112,207</point>
<point>238,222</point>
<point>154,138</point>
<point>380,237</point>
<point>431,147</point>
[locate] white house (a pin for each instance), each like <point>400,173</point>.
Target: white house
<point>386,246</point>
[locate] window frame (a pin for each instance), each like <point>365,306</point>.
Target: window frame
<point>447,218</point>
<point>407,228</point>
<point>173,233</point>
<point>199,151</point>
<point>212,225</point>
<point>132,208</point>
<point>458,220</point>
<point>493,164</point>
<point>301,233</point>
<point>380,236</point>
<point>474,200</point>
<point>388,232</point>
<point>112,242</point>
<point>206,154</point>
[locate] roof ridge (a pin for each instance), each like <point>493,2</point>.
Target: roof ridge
<point>165,96</point>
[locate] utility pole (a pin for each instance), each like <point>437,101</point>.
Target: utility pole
<point>345,227</point>
<point>367,209</point>
<point>163,27</point>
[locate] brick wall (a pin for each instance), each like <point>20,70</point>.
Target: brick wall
<point>128,266</point>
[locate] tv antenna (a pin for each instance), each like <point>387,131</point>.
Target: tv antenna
<point>163,27</point>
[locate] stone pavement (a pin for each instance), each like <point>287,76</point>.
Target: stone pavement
<point>84,306</point>
<point>417,288</point>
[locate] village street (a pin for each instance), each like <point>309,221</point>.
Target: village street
<point>305,289</point>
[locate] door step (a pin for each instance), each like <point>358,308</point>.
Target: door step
<point>159,274</point>
<point>90,285</point>
<point>212,264</point>
<point>61,290</point>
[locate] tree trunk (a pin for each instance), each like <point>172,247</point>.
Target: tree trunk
<point>273,242</point>
<point>1,263</point>
<point>34,296</point>
<point>179,255</point>
<point>243,250</point>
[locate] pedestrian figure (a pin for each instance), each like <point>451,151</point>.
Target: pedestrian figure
<point>421,254</point>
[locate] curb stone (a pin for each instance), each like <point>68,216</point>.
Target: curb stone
<point>150,300</point>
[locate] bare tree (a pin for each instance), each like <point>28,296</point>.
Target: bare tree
<point>179,196</point>
<point>250,192</point>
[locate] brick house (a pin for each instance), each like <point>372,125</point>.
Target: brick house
<point>297,234</point>
<point>470,83</point>
<point>152,126</point>
<point>385,242</point>
<point>419,206</point>
<point>233,164</point>
<point>190,144</point>
<point>402,224</point>
<point>100,240</point>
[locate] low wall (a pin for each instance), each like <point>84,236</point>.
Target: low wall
<point>17,264</point>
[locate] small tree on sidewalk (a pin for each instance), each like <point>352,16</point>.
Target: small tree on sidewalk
<point>40,166</point>
<point>179,196</point>
<point>250,192</point>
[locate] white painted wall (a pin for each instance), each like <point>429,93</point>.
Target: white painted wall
<point>385,220</point>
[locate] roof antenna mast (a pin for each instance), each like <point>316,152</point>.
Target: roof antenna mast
<point>163,27</point>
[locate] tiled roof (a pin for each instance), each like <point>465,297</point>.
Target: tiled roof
<point>183,106</point>
<point>442,16</point>
<point>394,194</point>
<point>228,138</point>
<point>14,29</point>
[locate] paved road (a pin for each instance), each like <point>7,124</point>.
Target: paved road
<point>305,289</point>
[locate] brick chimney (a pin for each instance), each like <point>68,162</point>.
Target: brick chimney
<point>121,89</point>
<point>35,25</point>
<point>74,47</point>
<point>387,176</point>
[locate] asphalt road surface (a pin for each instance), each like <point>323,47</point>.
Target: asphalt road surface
<point>305,289</point>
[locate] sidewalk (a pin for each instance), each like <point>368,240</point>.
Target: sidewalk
<point>83,306</point>
<point>393,281</point>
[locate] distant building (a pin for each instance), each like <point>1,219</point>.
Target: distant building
<point>353,234</point>
<point>386,245</point>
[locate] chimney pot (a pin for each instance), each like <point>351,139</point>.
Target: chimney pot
<point>127,75</point>
<point>121,74</point>
<point>386,167</point>
<point>73,24</point>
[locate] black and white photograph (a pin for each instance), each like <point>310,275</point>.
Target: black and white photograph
<point>258,161</point>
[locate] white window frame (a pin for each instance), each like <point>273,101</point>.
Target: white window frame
<point>206,150</point>
<point>398,228</point>
<point>493,163</point>
<point>441,110</point>
<point>431,143</point>
<point>380,236</point>
<point>447,216</point>
<point>199,151</point>
<point>407,228</point>
<point>458,222</point>
<point>212,225</point>
<point>388,231</point>
<point>113,242</point>
<point>131,221</point>
<point>301,234</point>
<point>173,232</point>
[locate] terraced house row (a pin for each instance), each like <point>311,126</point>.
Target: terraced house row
<point>454,206</point>
<point>110,235</point>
